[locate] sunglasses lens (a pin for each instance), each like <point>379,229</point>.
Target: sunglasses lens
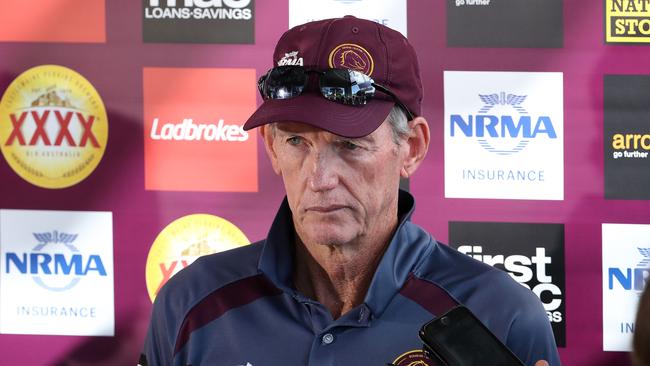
<point>346,86</point>
<point>283,82</point>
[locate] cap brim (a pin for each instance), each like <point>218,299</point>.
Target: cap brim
<point>315,110</point>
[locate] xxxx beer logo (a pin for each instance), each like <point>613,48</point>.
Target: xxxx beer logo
<point>183,241</point>
<point>53,126</point>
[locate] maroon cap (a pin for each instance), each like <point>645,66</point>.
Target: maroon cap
<point>366,46</point>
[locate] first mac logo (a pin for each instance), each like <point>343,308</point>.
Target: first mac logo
<point>537,264</point>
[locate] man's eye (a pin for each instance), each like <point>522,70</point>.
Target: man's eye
<point>349,145</point>
<point>294,140</point>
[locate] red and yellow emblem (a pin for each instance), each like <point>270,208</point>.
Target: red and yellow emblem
<point>183,241</point>
<point>413,358</point>
<point>53,126</point>
<point>351,56</point>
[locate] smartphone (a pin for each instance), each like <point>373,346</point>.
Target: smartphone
<point>458,338</point>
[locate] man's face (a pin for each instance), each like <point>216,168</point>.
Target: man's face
<point>339,189</point>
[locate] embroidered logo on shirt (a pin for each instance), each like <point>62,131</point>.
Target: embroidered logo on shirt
<point>413,358</point>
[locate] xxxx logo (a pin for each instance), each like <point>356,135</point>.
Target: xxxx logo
<point>62,118</point>
<point>53,126</point>
<point>183,241</point>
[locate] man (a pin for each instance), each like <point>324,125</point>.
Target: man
<point>344,277</point>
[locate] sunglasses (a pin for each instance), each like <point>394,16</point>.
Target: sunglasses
<point>343,86</point>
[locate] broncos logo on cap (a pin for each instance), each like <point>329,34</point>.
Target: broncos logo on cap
<point>352,56</point>
<point>352,60</point>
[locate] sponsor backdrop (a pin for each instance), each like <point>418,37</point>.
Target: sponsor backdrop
<point>123,157</point>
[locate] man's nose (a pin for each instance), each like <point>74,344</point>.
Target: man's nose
<point>323,176</point>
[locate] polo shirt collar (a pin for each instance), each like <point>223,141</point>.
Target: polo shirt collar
<point>401,257</point>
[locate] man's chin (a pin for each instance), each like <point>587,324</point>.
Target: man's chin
<point>328,229</point>
<point>330,238</point>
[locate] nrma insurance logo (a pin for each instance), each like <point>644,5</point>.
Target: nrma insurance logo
<point>56,273</point>
<point>504,135</point>
<point>55,263</point>
<point>626,260</point>
<point>631,279</point>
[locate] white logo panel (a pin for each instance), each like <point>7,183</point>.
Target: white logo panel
<point>391,13</point>
<point>504,135</point>
<point>56,271</point>
<point>626,255</point>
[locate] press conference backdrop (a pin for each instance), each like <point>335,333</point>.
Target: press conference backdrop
<point>124,158</point>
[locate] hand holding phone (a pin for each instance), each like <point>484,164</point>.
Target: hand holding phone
<point>458,338</point>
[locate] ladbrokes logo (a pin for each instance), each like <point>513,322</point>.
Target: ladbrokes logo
<point>183,241</point>
<point>189,131</point>
<point>53,127</point>
<point>56,272</point>
<point>626,255</point>
<point>198,21</point>
<point>537,265</point>
<point>194,139</point>
<point>627,136</point>
<point>503,137</point>
<point>627,21</point>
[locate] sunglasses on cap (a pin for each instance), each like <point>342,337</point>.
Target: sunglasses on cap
<point>343,86</point>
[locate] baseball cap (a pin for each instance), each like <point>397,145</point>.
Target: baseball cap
<point>352,43</point>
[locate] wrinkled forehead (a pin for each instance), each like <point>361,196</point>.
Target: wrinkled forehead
<point>289,127</point>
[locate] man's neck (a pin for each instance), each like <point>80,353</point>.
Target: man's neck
<point>339,276</point>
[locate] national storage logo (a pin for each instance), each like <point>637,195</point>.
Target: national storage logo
<point>199,21</point>
<point>57,272</point>
<point>504,135</point>
<point>626,259</point>
<point>183,241</point>
<point>627,136</point>
<point>391,13</point>
<point>537,263</point>
<point>53,126</point>
<point>194,140</point>
<point>627,21</point>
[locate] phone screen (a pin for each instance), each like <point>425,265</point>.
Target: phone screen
<point>458,338</point>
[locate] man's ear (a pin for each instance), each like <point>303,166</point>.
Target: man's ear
<point>268,135</point>
<point>417,144</point>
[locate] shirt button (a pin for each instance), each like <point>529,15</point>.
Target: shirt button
<point>328,338</point>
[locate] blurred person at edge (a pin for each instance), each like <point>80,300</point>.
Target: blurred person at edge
<point>343,277</point>
<point>641,338</point>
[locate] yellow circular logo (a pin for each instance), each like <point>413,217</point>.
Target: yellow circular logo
<point>183,241</point>
<point>53,126</point>
<point>351,56</point>
<point>413,358</point>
